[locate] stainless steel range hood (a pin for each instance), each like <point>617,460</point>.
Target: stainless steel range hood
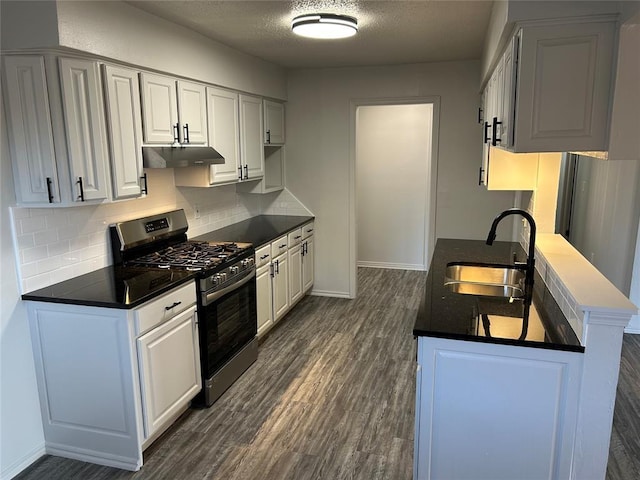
<point>176,157</point>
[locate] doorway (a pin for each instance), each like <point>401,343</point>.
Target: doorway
<point>393,184</point>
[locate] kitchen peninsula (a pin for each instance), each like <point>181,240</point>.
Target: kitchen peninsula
<point>510,392</point>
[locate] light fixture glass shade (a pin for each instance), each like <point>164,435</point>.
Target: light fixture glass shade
<point>324,25</point>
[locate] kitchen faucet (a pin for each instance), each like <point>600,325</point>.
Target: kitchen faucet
<point>532,242</point>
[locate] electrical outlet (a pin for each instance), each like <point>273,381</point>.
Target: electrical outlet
<point>196,211</point>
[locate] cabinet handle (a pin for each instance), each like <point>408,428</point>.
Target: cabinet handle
<point>304,248</point>
<point>297,237</point>
<point>81,196</point>
<point>185,129</point>
<point>144,190</point>
<point>310,230</point>
<point>176,134</point>
<point>49,190</point>
<point>175,304</point>
<point>495,131</point>
<point>283,245</point>
<point>264,256</point>
<point>480,182</point>
<point>268,136</point>
<point>480,111</point>
<point>277,266</point>
<point>486,129</point>
<point>246,172</point>
<point>240,173</point>
<point>272,271</point>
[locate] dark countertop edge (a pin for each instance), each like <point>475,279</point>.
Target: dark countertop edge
<point>500,341</point>
<point>119,306</point>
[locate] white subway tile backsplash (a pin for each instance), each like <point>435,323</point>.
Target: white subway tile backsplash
<point>32,224</point>
<point>55,244</point>
<point>34,254</point>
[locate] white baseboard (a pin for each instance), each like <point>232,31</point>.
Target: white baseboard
<point>392,266</point>
<point>22,463</point>
<point>329,293</point>
<point>91,456</point>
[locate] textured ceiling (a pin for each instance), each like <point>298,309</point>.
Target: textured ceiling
<point>390,32</point>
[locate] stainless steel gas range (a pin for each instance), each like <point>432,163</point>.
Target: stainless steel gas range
<point>226,286</point>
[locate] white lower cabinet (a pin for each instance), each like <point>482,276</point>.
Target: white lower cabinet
<point>264,292</point>
<point>294,256</point>
<point>280,273</point>
<point>284,275</point>
<point>112,380</point>
<point>494,411</point>
<point>169,369</point>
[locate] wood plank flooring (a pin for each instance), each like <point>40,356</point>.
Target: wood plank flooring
<point>330,397</point>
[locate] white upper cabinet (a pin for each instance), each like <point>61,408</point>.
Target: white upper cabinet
<point>553,86</point>
<point>122,100</point>
<point>251,128</point>
<point>30,132</point>
<point>224,134</point>
<point>192,113</point>
<point>273,123</point>
<point>174,112</point>
<point>84,121</point>
<point>160,109</point>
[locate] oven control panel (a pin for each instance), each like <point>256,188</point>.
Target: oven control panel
<point>227,276</point>
<point>155,225</point>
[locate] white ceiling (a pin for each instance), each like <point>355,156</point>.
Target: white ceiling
<point>390,32</point>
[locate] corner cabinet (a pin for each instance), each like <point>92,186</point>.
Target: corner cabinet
<point>550,90</point>
<point>273,123</point>
<point>251,126</point>
<point>111,380</point>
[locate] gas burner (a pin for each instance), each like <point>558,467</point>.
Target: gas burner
<point>191,255</point>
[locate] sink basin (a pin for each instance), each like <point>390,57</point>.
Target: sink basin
<point>485,280</point>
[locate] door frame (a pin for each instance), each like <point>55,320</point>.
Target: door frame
<point>432,174</point>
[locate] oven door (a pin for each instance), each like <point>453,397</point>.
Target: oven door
<point>227,321</point>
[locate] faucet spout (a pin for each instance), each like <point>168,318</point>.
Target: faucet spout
<point>532,241</point>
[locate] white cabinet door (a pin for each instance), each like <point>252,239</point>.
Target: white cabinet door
<point>169,369</point>
<point>122,99</point>
<point>563,91</point>
<point>251,146</point>
<point>224,133</point>
<point>294,255</point>
<point>273,123</point>
<point>280,287</point>
<point>159,109</point>
<point>30,132</point>
<point>307,264</point>
<point>85,129</point>
<point>192,113</point>
<point>264,298</point>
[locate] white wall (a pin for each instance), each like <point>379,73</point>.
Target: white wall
<point>318,152</point>
<point>393,153</point>
<point>119,31</point>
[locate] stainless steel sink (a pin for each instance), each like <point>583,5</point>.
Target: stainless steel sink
<point>485,280</point>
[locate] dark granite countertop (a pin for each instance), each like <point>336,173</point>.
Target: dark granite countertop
<point>112,287</point>
<point>256,230</point>
<point>452,315</point>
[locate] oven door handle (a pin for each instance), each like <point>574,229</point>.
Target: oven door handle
<point>208,298</point>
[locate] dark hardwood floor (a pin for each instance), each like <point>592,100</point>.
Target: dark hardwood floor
<point>330,397</point>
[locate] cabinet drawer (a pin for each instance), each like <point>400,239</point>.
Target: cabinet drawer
<point>279,246</point>
<point>307,230</point>
<point>168,305</point>
<point>263,255</point>
<point>295,237</point>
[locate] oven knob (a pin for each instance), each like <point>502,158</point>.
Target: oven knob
<point>222,277</point>
<point>234,269</point>
<point>247,262</point>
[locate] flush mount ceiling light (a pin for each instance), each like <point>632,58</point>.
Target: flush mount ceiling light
<point>324,25</point>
